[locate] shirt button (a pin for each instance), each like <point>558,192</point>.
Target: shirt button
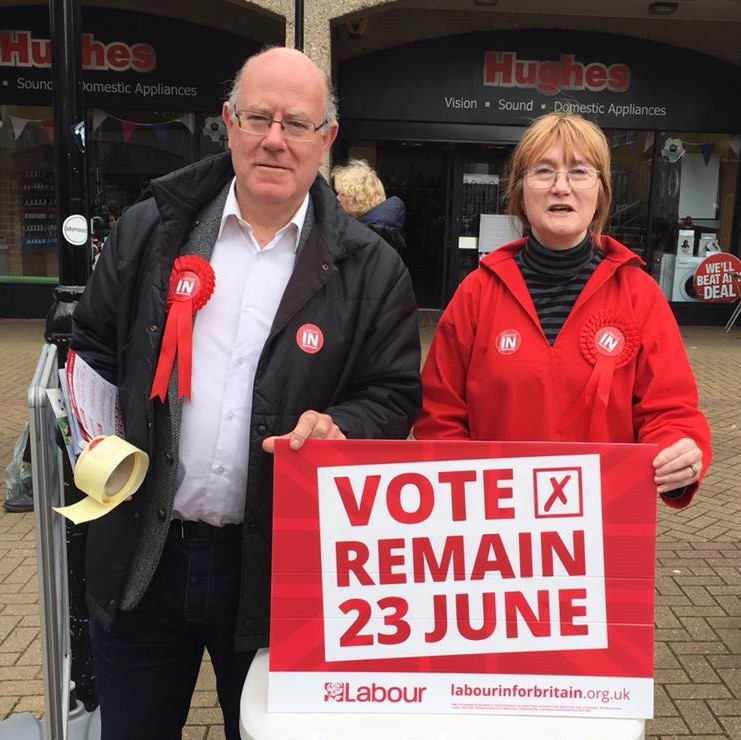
<point>219,470</point>
<point>230,415</point>
<point>261,429</point>
<point>240,360</point>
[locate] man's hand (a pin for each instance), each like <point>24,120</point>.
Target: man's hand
<point>310,424</point>
<point>678,465</point>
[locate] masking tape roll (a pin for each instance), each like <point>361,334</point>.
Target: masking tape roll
<point>109,470</point>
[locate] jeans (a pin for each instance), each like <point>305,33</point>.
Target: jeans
<point>147,665</point>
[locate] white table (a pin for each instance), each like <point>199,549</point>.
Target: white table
<point>255,723</point>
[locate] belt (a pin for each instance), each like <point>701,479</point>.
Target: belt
<point>204,532</point>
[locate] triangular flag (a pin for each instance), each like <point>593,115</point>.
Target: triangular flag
<point>49,128</point>
<point>735,143</point>
<point>2,122</point>
<point>128,128</point>
<point>160,131</point>
<point>648,142</point>
<point>189,121</point>
<point>707,152</point>
<point>18,125</point>
<point>98,117</point>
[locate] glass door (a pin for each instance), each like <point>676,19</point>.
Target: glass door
<point>477,199</point>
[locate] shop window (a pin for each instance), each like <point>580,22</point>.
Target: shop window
<point>28,247</point>
<point>130,148</point>
<point>631,153</point>
<point>694,200</point>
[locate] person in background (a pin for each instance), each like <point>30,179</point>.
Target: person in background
<point>562,336</point>
<point>311,331</point>
<point>362,195</point>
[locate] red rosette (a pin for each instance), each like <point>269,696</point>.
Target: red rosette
<point>192,283</point>
<point>608,342</point>
<point>606,334</point>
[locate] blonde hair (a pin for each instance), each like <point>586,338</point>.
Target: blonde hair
<point>359,186</point>
<point>576,136</point>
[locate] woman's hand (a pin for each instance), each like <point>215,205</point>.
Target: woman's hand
<point>310,424</point>
<point>677,466</point>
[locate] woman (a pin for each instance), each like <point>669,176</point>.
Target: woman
<point>562,335</point>
<point>362,195</point>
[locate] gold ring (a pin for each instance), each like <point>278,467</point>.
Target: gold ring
<point>693,469</point>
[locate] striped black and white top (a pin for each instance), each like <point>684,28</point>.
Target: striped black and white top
<point>555,278</point>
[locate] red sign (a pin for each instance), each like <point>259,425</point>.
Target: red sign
<point>21,49</point>
<point>717,278</point>
<point>504,69</point>
<point>458,577</point>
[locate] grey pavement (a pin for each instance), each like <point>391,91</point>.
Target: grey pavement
<point>698,590</point>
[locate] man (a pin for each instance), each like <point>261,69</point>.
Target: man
<point>310,332</point>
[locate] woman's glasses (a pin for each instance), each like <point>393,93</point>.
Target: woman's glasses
<point>544,177</point>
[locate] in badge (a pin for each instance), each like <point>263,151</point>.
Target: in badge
<point>310,338</point>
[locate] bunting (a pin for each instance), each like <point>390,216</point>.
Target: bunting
<point>735,143</point>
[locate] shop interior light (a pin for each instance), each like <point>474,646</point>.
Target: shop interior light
<point>662,8</point>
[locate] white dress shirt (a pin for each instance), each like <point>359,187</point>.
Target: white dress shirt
<point>228,338</point>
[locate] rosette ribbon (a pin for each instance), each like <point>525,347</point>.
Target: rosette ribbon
<point>607,342</point>
<point>192,282</point>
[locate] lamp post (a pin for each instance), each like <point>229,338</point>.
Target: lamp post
<point>69,143</point>
<point>299,27</point>
<point>73,239</point>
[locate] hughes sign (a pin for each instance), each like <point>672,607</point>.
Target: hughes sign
<point>504,69</point>
<point>509,77</point>
<point>128,60</point>
<point>21,49</point>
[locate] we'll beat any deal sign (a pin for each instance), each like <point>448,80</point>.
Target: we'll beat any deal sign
<point>449,577</point>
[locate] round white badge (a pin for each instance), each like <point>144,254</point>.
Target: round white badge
<point>74,229</point>
<point>508,341</point>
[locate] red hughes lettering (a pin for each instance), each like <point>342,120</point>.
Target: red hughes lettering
<point>20,49</point>
<point>504,69</point>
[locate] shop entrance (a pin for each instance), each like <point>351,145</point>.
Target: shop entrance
<point>446,188</point>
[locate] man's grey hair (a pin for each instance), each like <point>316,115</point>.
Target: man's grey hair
<point>330,102</point>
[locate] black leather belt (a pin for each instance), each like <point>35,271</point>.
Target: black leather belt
<point>203,532</point>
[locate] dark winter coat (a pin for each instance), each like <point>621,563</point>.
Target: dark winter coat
<point>387,220</point>
<point>354,288</point>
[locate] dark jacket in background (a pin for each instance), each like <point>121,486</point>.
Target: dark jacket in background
<point>347,282</point>
<point>387,220</point>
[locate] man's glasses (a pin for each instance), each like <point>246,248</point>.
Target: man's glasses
<point>258,123</point>
<point>580,178</point>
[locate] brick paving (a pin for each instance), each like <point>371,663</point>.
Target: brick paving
<point>698,589</point>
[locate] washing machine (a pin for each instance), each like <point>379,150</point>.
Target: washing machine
<point>664,273</point>
<point>684,274</point>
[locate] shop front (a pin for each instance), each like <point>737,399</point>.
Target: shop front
<point>153,90</point>
<point>439,119</point>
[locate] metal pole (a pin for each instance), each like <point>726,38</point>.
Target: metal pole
<point>299,14</point>
<point>75,259</point>
<point>69,143</point>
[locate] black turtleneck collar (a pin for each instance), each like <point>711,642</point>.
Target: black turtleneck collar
<point>561,263</point>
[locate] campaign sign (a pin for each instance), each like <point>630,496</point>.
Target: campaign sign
<point>463,577</point>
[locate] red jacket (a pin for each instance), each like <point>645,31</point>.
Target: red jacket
<point>617,372</point>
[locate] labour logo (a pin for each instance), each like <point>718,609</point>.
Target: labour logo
<point>310,338</point>
<point>508,341</point>
<point>334,691</point>
<point>609,341</point>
